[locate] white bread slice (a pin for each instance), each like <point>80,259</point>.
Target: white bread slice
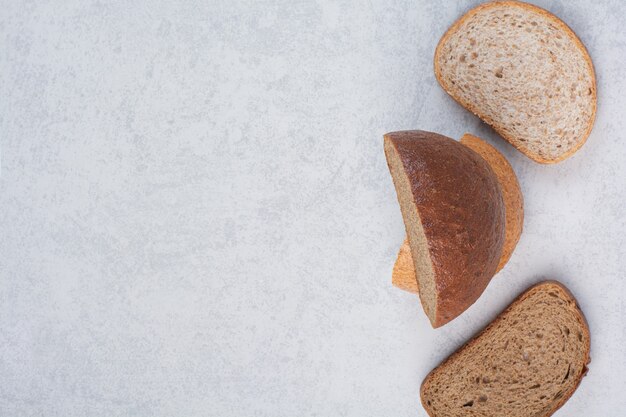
<point>527,362</point>
<point>454,216</point>
<point>403,275</point>
<point>524,72</point>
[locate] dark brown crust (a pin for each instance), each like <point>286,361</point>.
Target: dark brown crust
<point>404,276</point>
<point>511,193</point>
<point>559,23</point>
<point>474,339</point>
<point>460,204</point>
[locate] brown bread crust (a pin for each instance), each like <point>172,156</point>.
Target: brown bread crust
<point>469,106</point>
<point>475,338</point>
<point>511,193</point>
<point>462,212</point>
<point>403,275</point>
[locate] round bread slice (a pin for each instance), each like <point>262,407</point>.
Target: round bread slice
<point>526,363</point>
<point>454,217</point>
<point>403,275</point>
<point>524,72</point>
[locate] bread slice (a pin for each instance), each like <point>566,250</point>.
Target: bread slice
<point>403,275</point>
<point>527,362</point>
<point>454,216</point>
<point>524,72</point>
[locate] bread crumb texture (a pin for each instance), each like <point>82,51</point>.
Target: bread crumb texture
<point>527,362</point>
<point>523,71</point>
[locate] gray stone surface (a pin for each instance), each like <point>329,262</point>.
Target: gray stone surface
<point>196,217</point>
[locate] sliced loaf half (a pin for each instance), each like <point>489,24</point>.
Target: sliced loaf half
<point>523,71</point>
<point>526,363</point>
<point>454,217</point>
<point>403,275</point>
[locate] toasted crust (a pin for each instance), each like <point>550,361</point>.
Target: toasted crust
<point>432,374</point>
<point>560,24</point>
<point>403,275</point>
<point>454,215</point>
<point>511,193</point>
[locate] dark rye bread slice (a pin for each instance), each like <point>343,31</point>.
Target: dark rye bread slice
<point>524,72</point>
<point>403,275</point>
<point>527,362</point>
<point>454,217</point>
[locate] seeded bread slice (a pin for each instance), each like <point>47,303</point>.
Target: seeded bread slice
<point>524,72</point>
<point>526,363</point>
<point>454,216</point>
<point>403,275</point>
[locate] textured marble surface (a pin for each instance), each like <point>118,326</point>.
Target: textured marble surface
<point>196,217</point>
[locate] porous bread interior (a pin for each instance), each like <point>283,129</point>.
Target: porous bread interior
<point>526,363</point>
<point>415,232</point>
<point>523,72</point>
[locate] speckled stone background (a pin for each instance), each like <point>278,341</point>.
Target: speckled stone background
<point>196,217</point>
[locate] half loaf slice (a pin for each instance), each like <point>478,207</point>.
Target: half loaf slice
<point>403,275</point>
<point>526,363</point>
<point>523,71</point>
<point>454,217</point>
